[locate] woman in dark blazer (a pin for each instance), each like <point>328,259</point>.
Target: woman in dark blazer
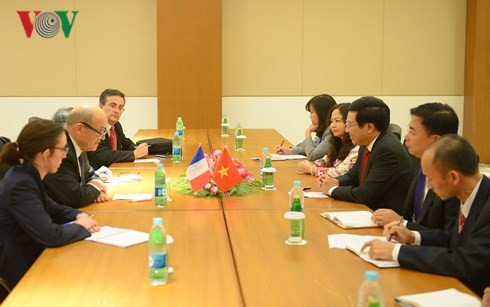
<point>29,220</point>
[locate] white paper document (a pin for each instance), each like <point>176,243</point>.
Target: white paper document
<point>118,236</point>
<point>277,157</point>
<point>354,244</point>
<point>124,178</point>
<point>133,197</point>
<point>350,219</point>
<point>152,160</point>
<point>447,298</point>
<point>315,195</point>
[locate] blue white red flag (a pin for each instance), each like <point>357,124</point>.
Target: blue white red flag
<point>198,171</point>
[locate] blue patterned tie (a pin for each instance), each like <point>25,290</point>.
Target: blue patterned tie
<point>419,194</point>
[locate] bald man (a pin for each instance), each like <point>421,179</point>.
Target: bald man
<point>75,184</point>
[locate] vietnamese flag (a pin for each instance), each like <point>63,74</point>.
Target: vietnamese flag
<point>226,175</point>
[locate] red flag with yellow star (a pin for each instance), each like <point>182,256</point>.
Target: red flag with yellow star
<point>226,175</point>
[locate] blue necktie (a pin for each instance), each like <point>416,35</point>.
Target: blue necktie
<point>419,195</point>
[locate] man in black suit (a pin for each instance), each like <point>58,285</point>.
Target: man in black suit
<point>75,184</point>
<point>423,208</point>
<point>116,147</point>
<point>381,175</point>
<point>451,168</point>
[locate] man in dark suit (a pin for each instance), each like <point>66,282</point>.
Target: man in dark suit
<point>75,184</point>
<point>116,147</point>
<point>381,175</point>
<point>423,208</point>
<point>451,168</point>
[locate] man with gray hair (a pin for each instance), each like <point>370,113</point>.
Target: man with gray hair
<point>75,184</point>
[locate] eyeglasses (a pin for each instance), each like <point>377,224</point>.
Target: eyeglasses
<point>114,106</point>
<point>100,134</point>
<point>350,125</point>
<point>63,149</point>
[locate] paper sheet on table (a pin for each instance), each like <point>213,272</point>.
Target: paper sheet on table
<point>350,219</point>
<point>277,157</point>
<point>121,237</point>
<point>133,197</point>
<point>448,298</point>
<point>124,178</point>
<point>152,160</point>
<point>315,195</point>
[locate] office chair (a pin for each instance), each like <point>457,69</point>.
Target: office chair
<point>4,289</point>
<point>397,130</point>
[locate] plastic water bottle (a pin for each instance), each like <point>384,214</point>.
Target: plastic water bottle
<point>158,258</point>
<point>263,156</point>
<point>160,187</point>
<point>296,197</point>
<point>225,127</point>
<point>179,126</point>
<point>370,294</point>
<point>176,148</point>
<point>239,138</point>
<point>268,173</point>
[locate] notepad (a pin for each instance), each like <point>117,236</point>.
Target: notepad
<point>447,298</point>
<point>350,219</point>
<point>120,237</point>
<point>355,243</point>
<point>133,197</point>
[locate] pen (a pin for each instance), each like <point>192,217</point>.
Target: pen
<point>306,189</point>
<point>398,224</point>
<point>282,143</point>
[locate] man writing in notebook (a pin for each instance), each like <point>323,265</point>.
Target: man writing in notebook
<point>451,168</point>
<point>423,208</point>
<point>382,173</point>
<point>116,147</point>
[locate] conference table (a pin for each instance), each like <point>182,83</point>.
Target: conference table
<point>226,252</point>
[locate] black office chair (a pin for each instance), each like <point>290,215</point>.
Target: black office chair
<point>397,130</point>
<point>4,289</point>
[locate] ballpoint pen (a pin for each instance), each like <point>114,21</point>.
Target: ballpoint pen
<point>398,224</point>
<point>282,143</point>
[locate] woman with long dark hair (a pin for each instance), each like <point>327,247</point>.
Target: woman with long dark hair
<point>342,153</point>
<point>316,142</point>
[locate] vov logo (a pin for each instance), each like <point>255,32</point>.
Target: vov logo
<point>47,24</point>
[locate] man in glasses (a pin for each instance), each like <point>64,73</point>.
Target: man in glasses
<point>116,147</point>
<point>75,183</point>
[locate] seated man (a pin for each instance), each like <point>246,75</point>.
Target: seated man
<point>116,147</point>
<point>423,209</point>
<point>381,175</point>
<point>75,184</point>
<point>451,168</point>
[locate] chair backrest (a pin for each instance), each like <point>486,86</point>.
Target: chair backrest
<point>397,130</point>
<point>5,289</point>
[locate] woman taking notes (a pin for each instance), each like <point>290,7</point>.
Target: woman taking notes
<point>29,220</point>
<point>342,153</point>
<point>316,142</point>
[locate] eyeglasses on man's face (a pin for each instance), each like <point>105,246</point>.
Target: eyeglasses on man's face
<point>350,125</point>
<point>63,149</point>
<point>99,133</point>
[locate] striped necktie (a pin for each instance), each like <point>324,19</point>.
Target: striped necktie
<point>461,221</point>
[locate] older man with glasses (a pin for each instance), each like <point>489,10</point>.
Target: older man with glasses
<point>75,183</point>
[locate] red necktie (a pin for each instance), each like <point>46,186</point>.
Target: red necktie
<point>461,221</point>
<point>365,160</point>
<point>113,138</point>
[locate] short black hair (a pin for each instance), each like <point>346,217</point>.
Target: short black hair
<point>437,118</point>
<point>454,152</point>
<point>371,110</point>
<point>323,105</point>
<point>110,92</point>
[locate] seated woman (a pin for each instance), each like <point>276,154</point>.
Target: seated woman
<point>314,147</point>
<point>29,220</point>
<point>342,153</point>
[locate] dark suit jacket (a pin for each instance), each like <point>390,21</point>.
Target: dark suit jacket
<point>30,221</point>
<point>435,213</point>
<point>388,175</point>
<point>464,256</point>
<point>65,186</point>
<point>105,156</point>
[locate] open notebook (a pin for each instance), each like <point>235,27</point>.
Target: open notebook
<point>447,298</point>
<point>354,243</point>
<point>350,219</point>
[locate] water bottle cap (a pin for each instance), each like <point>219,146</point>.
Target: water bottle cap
<point>371,275</point>
<point>160,165</point>
<point>266,149</point>
<point>158,220</point>
<point>297,183</point>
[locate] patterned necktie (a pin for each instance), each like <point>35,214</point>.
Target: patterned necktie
<point>419,194</point>
<point>81,162</point>
<point>461,221</point>
<point>113,138</point>
<point>365,160</point>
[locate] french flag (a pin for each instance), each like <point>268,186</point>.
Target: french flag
<point>198,171</point>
